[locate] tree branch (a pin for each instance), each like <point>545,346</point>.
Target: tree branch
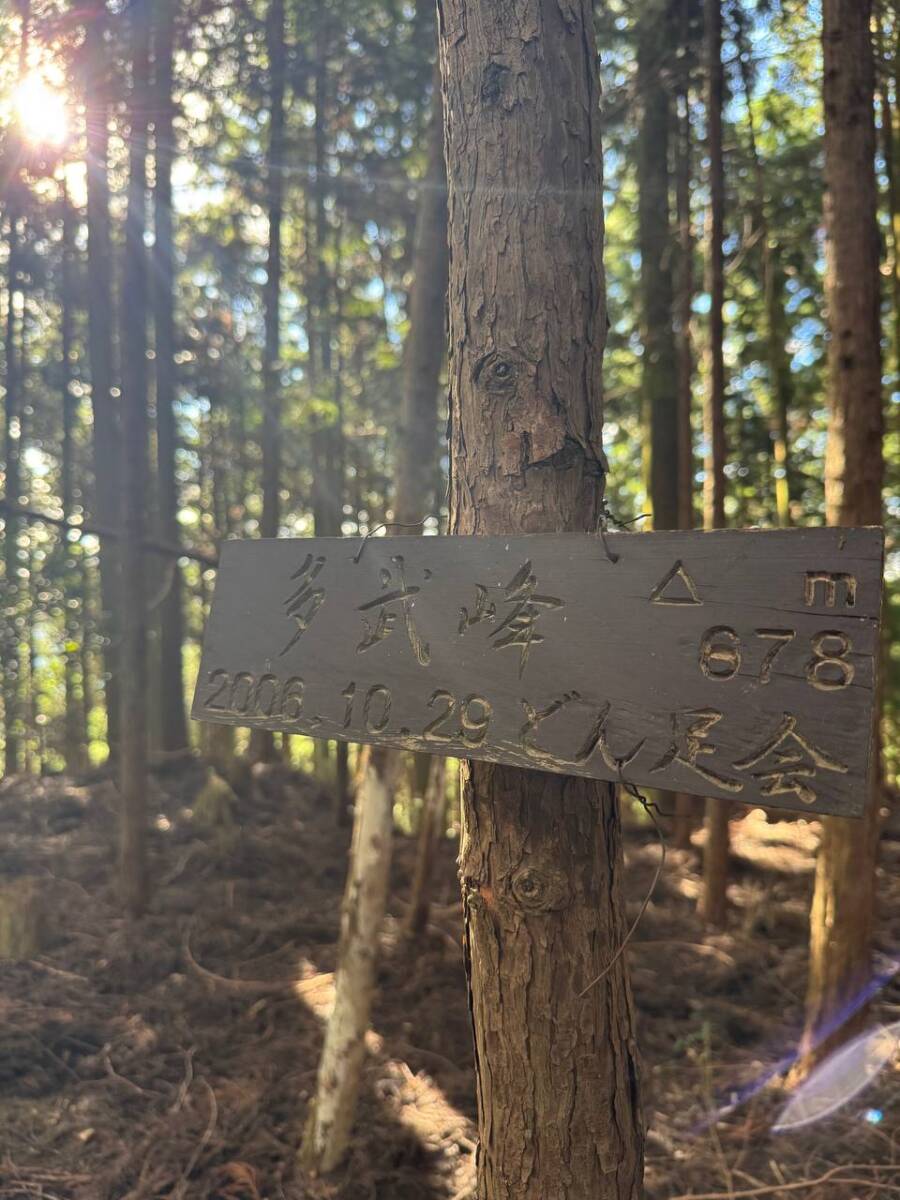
<point>208,557</point>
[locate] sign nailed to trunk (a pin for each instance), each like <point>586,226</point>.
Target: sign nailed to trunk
<point>731,664</point>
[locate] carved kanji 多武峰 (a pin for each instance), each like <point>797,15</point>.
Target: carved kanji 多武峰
<point>400,596</point>
<point>306,599</point>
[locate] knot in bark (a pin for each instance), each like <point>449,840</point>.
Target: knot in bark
<point>497,372</point>
<point>493,82</point>
<point>538,889</point>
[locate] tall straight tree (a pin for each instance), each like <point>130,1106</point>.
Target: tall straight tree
<point>332,1111</point>
<point>106,433</point>
<point>418,444</point>
<point>12,714</point>
<point>133,732</point>
<point>262,742</point>
<point>843,907</point>
<point>715,851</point>
<point>426,346</point>
<point>75,740</point>
<point>659,375</point>
<point>171,718</point>
<point>779,363</point>
<point>540,854</point>
<point>686,807</point>
<point>12,440</point>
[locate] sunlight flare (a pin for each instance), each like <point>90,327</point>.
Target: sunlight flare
<point>41,111</point>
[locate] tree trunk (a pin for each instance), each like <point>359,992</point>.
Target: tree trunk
<point>133,732</point>
<point>891,78</point>
<point>658,363</point>
<point>418,444</point>
<point>780,383</point>
<point>843,907</point>
<point>332,1110</point>
<point>714,409</point>
<point>74,744</point>
<point>715,854</point>
<point>540,855</point>
<point>262,743</point>
<point>106,430</point>
<point>172,720</point>
<point>12,714</point>
<point>431,830</point>
<point>426,344</point>
<point>684,304</point>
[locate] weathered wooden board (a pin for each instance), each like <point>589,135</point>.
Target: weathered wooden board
<point>733,664</point>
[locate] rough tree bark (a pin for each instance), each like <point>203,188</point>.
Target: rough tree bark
<point>540,856</point>
<point>133,613</point>
<point>106,437</point>
<point>713,902</point>
<point>843,907</point>
<point>171,718</point>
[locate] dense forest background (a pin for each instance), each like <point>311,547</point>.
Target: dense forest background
<point>335,180</point>
<point>223,256</point>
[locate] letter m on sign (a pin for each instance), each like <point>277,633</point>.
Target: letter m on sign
<point>824,587</point>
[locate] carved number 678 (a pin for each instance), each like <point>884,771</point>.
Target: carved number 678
<point>828,669</point>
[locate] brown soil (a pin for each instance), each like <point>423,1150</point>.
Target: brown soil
<point>175,1057</point>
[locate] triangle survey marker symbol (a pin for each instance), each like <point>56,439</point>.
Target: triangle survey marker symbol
<point>676,587</point>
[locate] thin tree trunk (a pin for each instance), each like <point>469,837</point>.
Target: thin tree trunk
<point>106,429</point>
<point>262,742</point>
<point>171,718</point>
<point>713,903</point>
<point>73,743</point>
<point>658,362</point>
<point>333,1108</point>
<point>684,313</point>
<point>843,908</point>
<point>780,384</point>
<point>540,854</point>
<point>686,807</point>
<point>423,357</point>
<point>12,444</point>
<point>12,715</point>
<point>133,732</point>
<point>426,344</point>
<point>86,655</point>
<point>714,409</point>
<point>888,149</point>
<point>328,437</point>
<point>431,830</point>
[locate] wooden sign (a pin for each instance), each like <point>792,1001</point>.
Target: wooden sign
<point>732,664</point>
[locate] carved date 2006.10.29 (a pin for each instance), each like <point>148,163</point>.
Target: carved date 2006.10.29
<point>464,720</point>
<point>785,763</point>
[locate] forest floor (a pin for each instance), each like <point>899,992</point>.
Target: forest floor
<point>175,1058</point>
